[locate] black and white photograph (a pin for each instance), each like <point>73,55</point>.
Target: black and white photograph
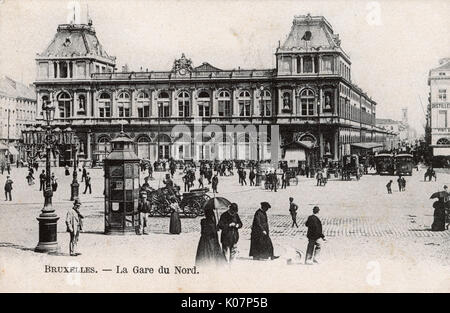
<point>224,147</point>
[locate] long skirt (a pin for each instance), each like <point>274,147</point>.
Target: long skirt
<point>439,220</point>
<point>175,223</point>
<point>209,252</point>
<point>261,246</point>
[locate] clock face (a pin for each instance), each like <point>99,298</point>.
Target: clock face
<point>182,71</point>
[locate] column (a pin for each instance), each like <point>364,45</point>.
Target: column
<point>294,101</point>
<point>74,69</point>
<point>89,104</point>
<point>51,70</point>
<point>215,103</point>
<point>256,102</point>
<point>320,100</point>
<point>74,104</point>
<point>301,64</point>
<point>114,112</point>
<point>294,64</point>
<point>88,145</point>
<point>57,70</point>
<point>173,103</point>
<point>336,145</point>
<point>193,96</point>
<point>313,63</point>
<point>134,111</point>
<point>154,102</point>
<point>235,103</point>
<point>320,64</point>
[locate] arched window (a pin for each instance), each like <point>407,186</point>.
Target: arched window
<point>266,103</point>
<point>103,147</point>
<point>224,103</point>
<point>443,141</point>
<point>81,105</point>
<point>163,104</point>
<point>184,101</point>
<point>124,104</point>
<point>245,101</point>
<point>64,105</point>
<point>307,98</point>
<point>143,147</point>
<point>104,105</point>
<point>143,104</point>
<point>204,104</point>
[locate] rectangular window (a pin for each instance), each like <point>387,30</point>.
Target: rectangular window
<point>442,119</point>
<point>327,64</point>
<point>307,64</point>
<point>443,95</point>
<point>224,108</point>
<point>244,108</point>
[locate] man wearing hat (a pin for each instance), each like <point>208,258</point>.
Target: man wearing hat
<point>293,211</point>
<point>314,236</point>
<point>74,223</point>
<point>229,223</point>
<point>144,209</point>
<point>260,243</point>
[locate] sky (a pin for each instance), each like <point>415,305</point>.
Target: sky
<point>392,44</point>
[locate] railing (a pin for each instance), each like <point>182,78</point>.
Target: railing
<point>269,73</point>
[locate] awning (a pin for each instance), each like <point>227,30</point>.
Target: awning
<point>13,150</point>
<point>367,145</point>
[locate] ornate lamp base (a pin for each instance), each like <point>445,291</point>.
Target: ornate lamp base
<point>74,190</point>
<point>47,233</point>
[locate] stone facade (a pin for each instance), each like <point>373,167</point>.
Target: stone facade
<point>439,82</point>
<point>309,96</point>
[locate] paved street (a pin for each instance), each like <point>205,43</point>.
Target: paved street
<point>393,230</point>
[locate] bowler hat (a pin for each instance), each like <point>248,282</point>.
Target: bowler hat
<point>76,202</point>
<point>265,205</point>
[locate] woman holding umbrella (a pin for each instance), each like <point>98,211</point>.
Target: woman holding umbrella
<point>440,207</point>
<point>208,250</point>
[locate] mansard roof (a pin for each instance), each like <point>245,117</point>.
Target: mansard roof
<point>311,33</point>
<point>76,40</point>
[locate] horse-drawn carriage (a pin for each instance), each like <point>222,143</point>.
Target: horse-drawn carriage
<point>191,203</point>
<point>350,167</point>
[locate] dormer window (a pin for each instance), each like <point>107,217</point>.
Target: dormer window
<point>68,42</point>
<point>307,36</point>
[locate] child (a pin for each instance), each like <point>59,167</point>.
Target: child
<point>388,186</point>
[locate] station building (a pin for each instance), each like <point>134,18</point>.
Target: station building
<point>310,97</point>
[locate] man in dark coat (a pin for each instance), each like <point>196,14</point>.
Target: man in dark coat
<point>229,223</point>
<point>42,180</point>
<point>314,236</point>
<point>8,188</point>
<point>260,243</point>
<point>215,183</point>
<point>293,211</point>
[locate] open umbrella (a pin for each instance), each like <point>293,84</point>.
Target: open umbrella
<point>439,195</point>
<point>216,203</point>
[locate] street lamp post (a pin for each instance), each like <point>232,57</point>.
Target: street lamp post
<point>46,140</point>
<point>74,186</point>
<point>47,219</point>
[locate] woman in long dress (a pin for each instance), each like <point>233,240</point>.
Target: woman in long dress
<point>439,216</point>
<point>175,222</point>
<point>208,250</point>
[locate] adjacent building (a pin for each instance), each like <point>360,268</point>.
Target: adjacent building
<point>439,106</point>
<point>310,98</point>
<point>17,110</point>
